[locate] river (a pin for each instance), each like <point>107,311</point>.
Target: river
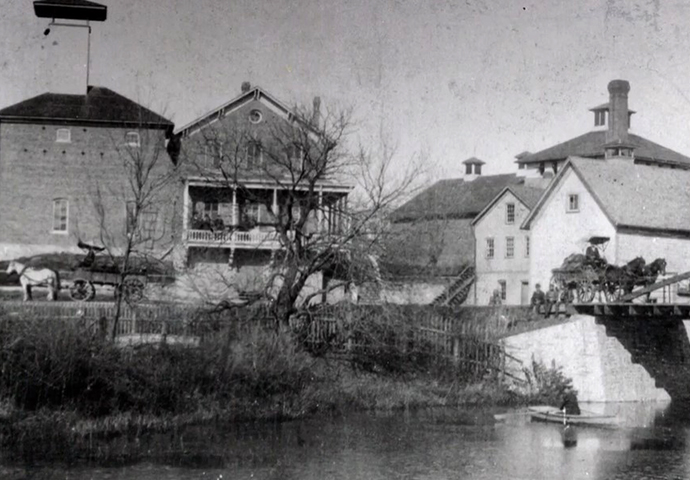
<point>652,442</point>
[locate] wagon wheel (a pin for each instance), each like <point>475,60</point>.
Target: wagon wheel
<point>82,291</point>
<point>613,292</point>
<point>585,292</point>
<point>133,290</point>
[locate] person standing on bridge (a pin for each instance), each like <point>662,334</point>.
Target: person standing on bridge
<point>538,298</point>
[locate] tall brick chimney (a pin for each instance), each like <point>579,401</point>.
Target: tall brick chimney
<point>618,115</point>
<point>316,114</point>
<point>617,142</point>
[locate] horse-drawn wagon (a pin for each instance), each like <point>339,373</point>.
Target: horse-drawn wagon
<point>59,272</point>
<point>584,277</point>
<point>82,284</point>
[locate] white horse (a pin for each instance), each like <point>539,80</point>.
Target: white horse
<point>36,277</point>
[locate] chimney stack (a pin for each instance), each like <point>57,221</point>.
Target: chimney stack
<point>618,113</point>
<point>316,114</point>
<point>246,86</point>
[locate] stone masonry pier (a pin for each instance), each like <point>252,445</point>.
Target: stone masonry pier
<point>614,358</point>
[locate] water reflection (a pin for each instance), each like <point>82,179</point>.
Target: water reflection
<point>652,442</point>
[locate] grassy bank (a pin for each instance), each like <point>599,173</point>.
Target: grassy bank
<point>63,385</point>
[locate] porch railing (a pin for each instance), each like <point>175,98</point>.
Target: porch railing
<point>266,239</point>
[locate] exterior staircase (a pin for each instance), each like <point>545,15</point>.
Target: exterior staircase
<point>457,292</point>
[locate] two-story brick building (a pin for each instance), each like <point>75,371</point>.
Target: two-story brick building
<point>66,170</point>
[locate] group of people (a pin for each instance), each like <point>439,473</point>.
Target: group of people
<point>545,300</point>
<point>207,223</point>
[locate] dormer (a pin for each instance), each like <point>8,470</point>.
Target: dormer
<point>473,168</point>
<point>621,150</point>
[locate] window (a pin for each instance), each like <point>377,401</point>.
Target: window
<point>478,169</point>
<point>211,209</point>
<point>504,287</point>
<point>573,203</point>
<point>60,215</point>
<point>526,247</point>
<point>599,118</point>
<point>251,215</point>
<point>63,135</point>
<point>510,247</point>
<point>510,213</point>
<point>149,220</point>
<point>489,248</point>
<point>253,155</point>
<point>294,154</point>
<point>255,116</point>
<point>132,139</point>
<point>468,169</point>
<point>131,216</point>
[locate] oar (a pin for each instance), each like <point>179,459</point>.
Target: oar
<point>505,416</point>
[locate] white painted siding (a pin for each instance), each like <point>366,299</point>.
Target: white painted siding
<point>512,270</point>
<point>676,251</point>
<point>556,233</point>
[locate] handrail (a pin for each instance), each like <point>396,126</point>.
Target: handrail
<point>654,286</point>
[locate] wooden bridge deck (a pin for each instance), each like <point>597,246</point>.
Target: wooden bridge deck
<point>633,310</point>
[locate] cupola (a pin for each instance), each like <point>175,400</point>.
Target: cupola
<point>473,168</point>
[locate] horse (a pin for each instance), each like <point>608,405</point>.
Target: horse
<point>622,278</point>
<point>35,277</point>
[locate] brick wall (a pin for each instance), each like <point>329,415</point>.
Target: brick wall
<point>35,169</point>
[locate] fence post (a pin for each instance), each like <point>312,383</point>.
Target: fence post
<point>456,350</point>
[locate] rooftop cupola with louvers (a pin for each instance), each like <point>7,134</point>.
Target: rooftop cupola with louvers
<point>473,168</point>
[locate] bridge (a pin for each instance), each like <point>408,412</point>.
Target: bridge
<point>650,334</point>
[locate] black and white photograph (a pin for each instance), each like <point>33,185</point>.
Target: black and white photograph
<point>348,240</point>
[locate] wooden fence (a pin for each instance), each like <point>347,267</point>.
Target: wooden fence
<point>468,336</point>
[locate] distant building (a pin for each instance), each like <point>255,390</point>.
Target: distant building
<point>609,137</point>
<point>503,250</point>
<point>432,241</point>
<point>56,151</point>
<point>642,209</point>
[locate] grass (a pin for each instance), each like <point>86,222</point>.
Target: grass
<point>62,387</point>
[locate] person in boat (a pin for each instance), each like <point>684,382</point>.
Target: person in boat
<point>569,404</point>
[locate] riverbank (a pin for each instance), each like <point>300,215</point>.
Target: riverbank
<point>63,387</point>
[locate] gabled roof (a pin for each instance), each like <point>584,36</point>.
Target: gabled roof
<point>591,144</point>
<point>607,106</point>
<point>100,105</point>
<point>633,197</point>
<point>527,195</point>
<point>255,93</point>
<point>454,198</point>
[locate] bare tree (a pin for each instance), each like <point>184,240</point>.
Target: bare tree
<point>134,198</point>
<point>330,198</point>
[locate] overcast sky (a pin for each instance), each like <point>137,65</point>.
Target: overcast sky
<point>451,79</point>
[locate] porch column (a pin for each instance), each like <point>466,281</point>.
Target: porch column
<point>234,207</point>
<point>275,203</point>
<point>185,210</point>
<point>319,212</point>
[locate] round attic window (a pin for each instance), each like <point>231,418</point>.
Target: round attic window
<point>255,116</point>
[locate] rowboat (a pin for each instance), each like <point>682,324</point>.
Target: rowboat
<point>545,413</point>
